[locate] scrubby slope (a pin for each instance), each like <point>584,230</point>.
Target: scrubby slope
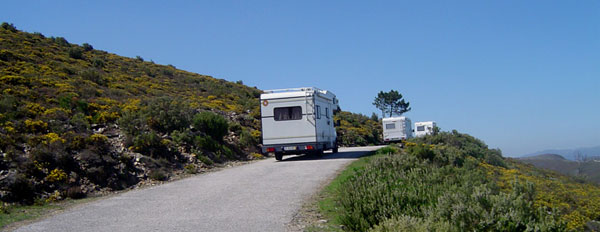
<point>75,120</point>
<point>454,182</point>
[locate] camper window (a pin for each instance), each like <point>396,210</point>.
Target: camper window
<point>420,128</point>
<point>288,113</point>
<point>327,112</point>
<point>318,112</point>
<point>390,126</point>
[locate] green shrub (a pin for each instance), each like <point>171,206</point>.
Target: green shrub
<point>229,154</point>
<point>207,143</point>
<point>92,75</point>
<point>163,115</point>
<point>212,124</point>
<point>167,72</point>
<point>87,47</point>
<point>390,186</point>
<point>8,104</point>
<point>151,144</point>
<point>422,151</point>
<point>191,169</point>
<point>158,174</point>
<point>97,62</point>
<point>79,122</point>
<point>132,123</point>
<point>408,223</point>
<point>60,41</point>
<point>76,53</point>
<point>388,150</point>
<point>9,27</point>
<point>247,140</point>
<point>205,160</point>
<point>465,144</point>
<point>235,128</point>
<point>183,137</point>
<point>166,114</point>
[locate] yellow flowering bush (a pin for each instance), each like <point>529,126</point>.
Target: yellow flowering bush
<point>98,138</point>
<point>54,197</point>
<point>34,109</point>
<point>35,125</point>
<point>105,117</point>
<point>56,175</point>
<point>51,138</point>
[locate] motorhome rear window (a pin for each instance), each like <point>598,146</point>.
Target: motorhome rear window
<point>420,128</point>
<point>288,113</point>
<point>390,126</point>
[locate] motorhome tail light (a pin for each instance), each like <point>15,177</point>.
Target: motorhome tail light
<point>270,149</point>
<point>309,147</point>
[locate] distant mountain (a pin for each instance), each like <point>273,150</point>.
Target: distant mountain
<point>590,169</point>
<point>545,157</point>
<point>570,154</point>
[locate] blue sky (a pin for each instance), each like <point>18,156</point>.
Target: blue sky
<point>521,75</point>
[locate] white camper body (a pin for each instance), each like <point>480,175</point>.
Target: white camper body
<point>424,128</point>
<point>396,129</point>
<point>298,121</point>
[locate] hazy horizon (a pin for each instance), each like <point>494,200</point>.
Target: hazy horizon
<point>521,76</point>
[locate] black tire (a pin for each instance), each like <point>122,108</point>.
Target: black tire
<point>335,148</point>
<point>278,156</point>
<point>319,152</point>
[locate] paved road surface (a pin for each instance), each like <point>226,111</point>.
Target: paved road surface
<point>261,196</point>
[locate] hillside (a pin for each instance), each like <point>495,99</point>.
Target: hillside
<point>587,170</point>
<point>75,120</point>
<point>454,182</point>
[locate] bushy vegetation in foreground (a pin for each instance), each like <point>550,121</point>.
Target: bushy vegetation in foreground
<point>75,120</point>
<point>453,182</point>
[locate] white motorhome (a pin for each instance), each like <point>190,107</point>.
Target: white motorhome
<point>424,128</point>
<point>396,129</point>
<point>298,121</point>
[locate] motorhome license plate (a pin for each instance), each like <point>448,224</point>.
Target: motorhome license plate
<point>289,148</point>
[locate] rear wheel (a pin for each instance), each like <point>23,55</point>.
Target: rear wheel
<point>278,156</point>
<point>319,152</point>
<point>335,148</point>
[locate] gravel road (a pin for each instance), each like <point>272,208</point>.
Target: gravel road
<point>261,196</point>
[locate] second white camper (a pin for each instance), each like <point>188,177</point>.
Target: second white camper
<point>298,121</point>
<point>424,128</point>
<point>396,129</point>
